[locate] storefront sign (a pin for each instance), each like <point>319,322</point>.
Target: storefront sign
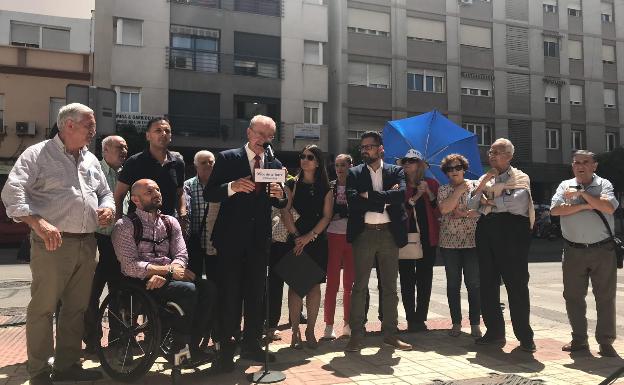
<point>307,131</point>
<point>138,120</point>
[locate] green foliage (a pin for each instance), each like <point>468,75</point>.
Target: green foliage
<point>611,166</point>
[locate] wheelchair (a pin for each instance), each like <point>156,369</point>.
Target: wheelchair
<point>136,331</point>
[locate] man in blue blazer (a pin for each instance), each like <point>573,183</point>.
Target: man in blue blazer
<point>377,229</point>
<point>241,234</point>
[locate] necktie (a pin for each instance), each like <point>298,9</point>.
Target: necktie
<point>257,165</point>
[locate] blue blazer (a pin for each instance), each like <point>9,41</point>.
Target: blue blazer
<point>244,219</point>
<point>359,181</point>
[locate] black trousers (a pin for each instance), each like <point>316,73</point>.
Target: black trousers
<point>200,263</point>
<point>503,247</point>
<point>107,272</point>
<point>240,284</point>
<point>416,277</point>
<point>276,283</point>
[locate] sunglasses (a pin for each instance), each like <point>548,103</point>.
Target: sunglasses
<point>308,157</point>
<point>459,167</point>
<point>411,160</point>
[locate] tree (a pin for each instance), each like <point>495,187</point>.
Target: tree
<point>611,166</point>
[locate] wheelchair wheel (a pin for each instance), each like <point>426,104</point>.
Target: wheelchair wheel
<point>131,333</point>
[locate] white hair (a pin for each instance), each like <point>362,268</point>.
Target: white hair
<point>200,154</point>
<point>108,141</point>
<point>509,147</point>
<point>73,111</point>
<point>261,119</point>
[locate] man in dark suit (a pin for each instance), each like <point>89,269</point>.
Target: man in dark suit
<point>241,235</point>
<point>377,229</point>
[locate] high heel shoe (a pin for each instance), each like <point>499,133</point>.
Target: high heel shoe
<point>296,342</point>
<point>311,341</point>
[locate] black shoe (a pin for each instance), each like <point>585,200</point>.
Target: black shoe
<point>574,346</point>
<point>528,346</point>
<point>490,340</point>
<point>41,379</point>
<point>199,357</point>
<point>257,355</point>
<point>222,365</point>
<point>416,327</point>
<point>607,350</point>
<point>76,373</point>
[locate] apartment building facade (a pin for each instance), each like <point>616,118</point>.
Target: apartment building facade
<point>39,56</point>
<point>546,74</point>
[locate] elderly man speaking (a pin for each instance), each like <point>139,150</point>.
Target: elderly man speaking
<point>58,188</point>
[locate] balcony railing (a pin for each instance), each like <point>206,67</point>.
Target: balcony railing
<point>207,127</point>
<point>261,7</point>
<point>217,62</point>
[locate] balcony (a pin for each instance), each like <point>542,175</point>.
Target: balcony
<point>218,62</point>
<point>234,130</point>
<point>259,7</point>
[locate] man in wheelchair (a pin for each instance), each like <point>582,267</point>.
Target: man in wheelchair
<point>151,249</point>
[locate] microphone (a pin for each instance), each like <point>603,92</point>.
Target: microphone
<point>269,150</point>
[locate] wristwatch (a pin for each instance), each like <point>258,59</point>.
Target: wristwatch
<point>169,275</point>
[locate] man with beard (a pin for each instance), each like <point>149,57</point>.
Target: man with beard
<point>503,237</point>
<point>376,228</point>
<point>114,152</point>
<point>159,260</point>
<point>57,187</point>
<point>157,163</point>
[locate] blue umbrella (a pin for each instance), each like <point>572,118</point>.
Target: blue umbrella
<point>435,137</point>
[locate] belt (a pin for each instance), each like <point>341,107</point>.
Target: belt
<point>588,245</point>
<point>377,226</point>
<point>75,235</point>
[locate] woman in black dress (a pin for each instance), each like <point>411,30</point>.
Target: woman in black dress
<point>310,195</point>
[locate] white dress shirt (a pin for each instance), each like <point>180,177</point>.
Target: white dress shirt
<point>371,217</point>
<point>252,162</point>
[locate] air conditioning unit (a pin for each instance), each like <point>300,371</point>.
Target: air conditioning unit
<point>25,128</point>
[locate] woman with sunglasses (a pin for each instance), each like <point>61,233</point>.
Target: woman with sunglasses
<point>309,193</point>
<point>416,275</point>
<point>457,243</point>
<point>340,251</point>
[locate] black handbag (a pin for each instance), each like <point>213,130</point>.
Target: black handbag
<point>619,245</point>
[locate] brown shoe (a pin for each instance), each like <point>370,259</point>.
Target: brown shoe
<point>574,346</point>
<point>396,343</point>
<point>354,344</point>
<point>607,350</point>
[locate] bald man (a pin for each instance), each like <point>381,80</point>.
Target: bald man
<point>159,260</point>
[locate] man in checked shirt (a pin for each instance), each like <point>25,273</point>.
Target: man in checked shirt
<point>160,259</point>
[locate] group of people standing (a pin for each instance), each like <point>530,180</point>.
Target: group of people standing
<point>225,225</point>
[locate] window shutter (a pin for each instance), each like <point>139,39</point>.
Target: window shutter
<point>476,36</point>
<point>517,9</point>
<point>574,4</point>
<point>576,94</point>
<point>520,135</point>
<point>311,52</point>
<point>359,18</point>
<point>608,53</point>
<point>25,34</point>
<point>606,8</point>
<point>609,97</point>
<point>55,38</point>
<point>379,74</point>
<point>551,91</point>
<point>481,84</point>
<point>518,46</point>
<point>426,29</point>
<point>357,73</point>
<point>575,49</point>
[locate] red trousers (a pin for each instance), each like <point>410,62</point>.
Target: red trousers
<point>340,255</point>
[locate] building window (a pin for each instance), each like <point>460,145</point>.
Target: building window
<point>262,7</point>
<point>312,52</point>
<point>552,139</point>
<point>369,75</point>
<point>575,49</point>
<point>576,95</point>
<point>37,36</point>
<point>426,30</point>
<point>574,8</point>
<point>368,22</point>
<point>550,6</point>
<point>312,112</point>
<point>476,87</point>
<point>194,49</point>
<point>482,131</point>
<point>551,47</point>
<point>606,12</point>
<point>55,106</point>
<point>577,140</point>
<point>128,31</point>
<point>128,100</point>
<point>608,54</point>
<point>609,98</point>
<point>551,93</point>
<point>425,81</point>
<point>611,141</point>
<point>475,36</point>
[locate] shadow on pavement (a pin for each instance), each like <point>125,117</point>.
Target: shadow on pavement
<point>596,365</point>
<point>354,364</point>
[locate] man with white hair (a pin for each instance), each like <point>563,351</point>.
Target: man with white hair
<point>503,237</point>
<point>58,188</point>
<point>107,272</point>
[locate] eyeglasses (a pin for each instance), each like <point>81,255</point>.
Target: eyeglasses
<point>496,153</point>
<point>367,147</point>
<point>267,137</point>
<point>309,157</point>
<point>459,167</point>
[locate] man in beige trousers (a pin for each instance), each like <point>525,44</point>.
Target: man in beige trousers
<point>58,188</point>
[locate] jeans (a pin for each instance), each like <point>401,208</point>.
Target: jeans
<point>456,260</point>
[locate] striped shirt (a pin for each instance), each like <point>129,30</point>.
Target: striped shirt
<point>111,179</point>
<point>195,192</point>
<point>135,260</point>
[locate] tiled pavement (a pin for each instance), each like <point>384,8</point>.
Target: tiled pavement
<point>437,356</point>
